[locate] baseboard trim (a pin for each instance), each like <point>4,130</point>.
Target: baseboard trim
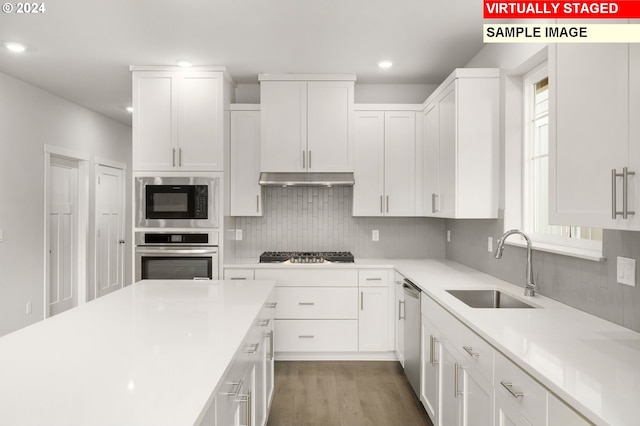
<point>336,356</point>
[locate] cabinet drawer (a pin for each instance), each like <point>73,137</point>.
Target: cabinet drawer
<point>373,277</point>
<point>317,303</point>
<point>476,352</point>
<point>532,402</point>
<point>446,323</point>
<point>238,274</point>
<point>309,277</point>
<point>316,335</point>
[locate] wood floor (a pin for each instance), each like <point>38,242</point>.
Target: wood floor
<point>344,393</point>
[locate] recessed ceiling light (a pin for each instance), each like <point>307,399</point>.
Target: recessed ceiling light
<point>385,64</point>
<point>129,109</point>
<point>15,47</point>
<point>184,64</point>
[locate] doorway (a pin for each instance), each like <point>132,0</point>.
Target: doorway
<point>110,226</point>
<point>66,212</point>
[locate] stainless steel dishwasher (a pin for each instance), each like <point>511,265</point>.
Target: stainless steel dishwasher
<point>412,334</point>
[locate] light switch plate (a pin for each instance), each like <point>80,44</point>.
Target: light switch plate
<point>375,235</point>
<point>626,271</point>
<point>238,234</point>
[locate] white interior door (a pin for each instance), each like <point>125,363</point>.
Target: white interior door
<point>63,235</point>
<point>109,230</point>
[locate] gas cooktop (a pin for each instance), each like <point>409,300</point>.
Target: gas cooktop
<point>306,257</point>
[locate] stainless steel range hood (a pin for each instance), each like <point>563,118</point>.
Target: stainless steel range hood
<point>306,179</point>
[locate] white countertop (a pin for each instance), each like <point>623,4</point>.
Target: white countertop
<point>590,363</point>
<point>149,354</point>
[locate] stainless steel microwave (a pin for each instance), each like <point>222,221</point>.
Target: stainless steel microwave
<point>177,202</point>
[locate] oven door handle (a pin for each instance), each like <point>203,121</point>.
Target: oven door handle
<point>162,250</point>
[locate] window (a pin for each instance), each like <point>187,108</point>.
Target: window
<point>535,178</point>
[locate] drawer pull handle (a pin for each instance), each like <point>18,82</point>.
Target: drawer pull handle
<point>265,323</point>
<point>469,350</point>
<point>253,348</point>
<point>374,279</point>
<point>432,350</point>
<point>306,303</point>
<point>308,336</point>
<point>271,305</point>
<point>456,391</point>
<point>238,278</point>
<point>509,387</point>
<point>237,386</point>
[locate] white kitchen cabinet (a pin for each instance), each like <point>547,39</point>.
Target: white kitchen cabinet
<point>177,120</point>
<point>307,126</point>
<point>399,317</point>
<point>461,135</point>
<point>373,320</point>
<point>559,413</point>
<point>594,95</point>
<point>246,192</point>
<point>431,352</point>
<point>506,415</point>
<point>385,163</point>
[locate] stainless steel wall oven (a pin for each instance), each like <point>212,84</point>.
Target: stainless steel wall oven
<point>176,255</point>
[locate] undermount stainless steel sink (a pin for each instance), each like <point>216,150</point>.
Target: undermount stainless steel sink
<point>491,299</point>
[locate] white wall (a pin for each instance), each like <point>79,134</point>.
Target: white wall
<point>364,93</point>
<point>29,119</point>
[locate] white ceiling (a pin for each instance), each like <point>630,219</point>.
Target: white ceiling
<point>82,50</point>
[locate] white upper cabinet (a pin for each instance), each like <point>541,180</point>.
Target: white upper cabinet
<point>177,120</point>
<point>594,135</point>
<point>461,136</point>
<point>385,163</point>
<point>307,126</point>
<point>246,193</point>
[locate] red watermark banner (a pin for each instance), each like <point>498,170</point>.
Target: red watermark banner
<point>518,9</point>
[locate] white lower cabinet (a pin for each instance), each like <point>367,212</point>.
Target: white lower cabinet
<point>244,394</point>
<point>331,310</point>
<point>399,317</point>
<point>465,381</point>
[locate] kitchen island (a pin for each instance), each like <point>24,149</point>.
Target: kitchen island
<point>150,354</point>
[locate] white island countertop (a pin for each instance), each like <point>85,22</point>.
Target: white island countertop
<point>149,354</point>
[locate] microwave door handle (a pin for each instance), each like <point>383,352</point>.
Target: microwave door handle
<point>162,251</point>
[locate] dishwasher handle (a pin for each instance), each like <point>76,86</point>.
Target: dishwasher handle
<point>410,289</point>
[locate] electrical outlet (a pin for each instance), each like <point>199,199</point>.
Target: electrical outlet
<point>490,244</point>
<point>238,234</point>
<point>626,271</point>
<point>375,235</point>
<point>28,308</point>
<point>448,235</point>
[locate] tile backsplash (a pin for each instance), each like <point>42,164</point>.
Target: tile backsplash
<point>319,219</point>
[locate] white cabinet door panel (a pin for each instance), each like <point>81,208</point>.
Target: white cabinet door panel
<point>374,319</point>
<point>284,126</point>
<point>591,93</point>
<point>368,191</point>
<point>330,126</point>
<point>431,160</point>
<point>430,369</point>
<point>448,169</point>
<point>400,158</point>
<point>309,277</point>
<point>246,193</point>
<point>316,335</point>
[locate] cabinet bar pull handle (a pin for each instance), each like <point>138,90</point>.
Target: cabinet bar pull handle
<point>625,189</point>
<point>469,350</point>
<point>403,310</point>
<point>434,197</point>
<point>306,303</point>
<point>304,155</point>
<point>362,300</point>
<point>265,322</point>
<point>381,205</point>
<point>456,391</point>
<point>309,160</point>
<point>238,278</point>
<point>271,305</point>
<point>253,348</point>
<point>174,157</point>
<point>399,310</point>
<point>308,336</point>
<point>387,204</point>
<point>271,354</point>
<point>614,207</point>
<point>509,386</point>
<point>237,386</point>
<point>180,157</point>
<point>374,279</point>
<point>257,203</point>
<point>432,350</point>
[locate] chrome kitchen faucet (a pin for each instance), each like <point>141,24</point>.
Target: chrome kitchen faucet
<point>530,286</point>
